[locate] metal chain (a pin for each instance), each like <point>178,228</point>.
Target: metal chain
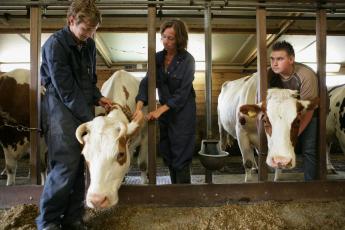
<point>21,128</point>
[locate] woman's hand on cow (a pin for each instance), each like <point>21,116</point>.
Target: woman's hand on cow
<point>154,115</point>
<point>106,103</point>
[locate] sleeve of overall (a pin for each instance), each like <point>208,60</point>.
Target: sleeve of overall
<point>64,83</point>
<point>143,90</point>
<point>96,93</point>
<point>180,96</point>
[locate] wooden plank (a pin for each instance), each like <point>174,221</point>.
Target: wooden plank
<point>198,195</point>
<point>321,33</point>
<point>151,29</point>
<point>262,85</point>
<point>35,93</point>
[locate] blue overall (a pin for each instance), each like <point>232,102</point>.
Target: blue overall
<point>177,125</point>
<point>68,73</point>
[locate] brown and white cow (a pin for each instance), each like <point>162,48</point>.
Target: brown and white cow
<point>281,112</point>
<point>109,141</point>
<point>335,125</point>
<point>14,111</point>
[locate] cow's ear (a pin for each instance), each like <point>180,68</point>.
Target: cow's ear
<point>250,110</point>
<point>81,131</point>
<point>308,105</point>
<point>121,128</point>
<point>132,129</point>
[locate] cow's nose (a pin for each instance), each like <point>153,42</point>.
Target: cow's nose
<point>98,200</point>
<point>282,162</point>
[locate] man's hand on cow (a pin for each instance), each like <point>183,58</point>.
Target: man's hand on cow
<point>138,116</point>
<point>106,103</point>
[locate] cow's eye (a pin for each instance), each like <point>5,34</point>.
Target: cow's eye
<point>297,122</point>
<point>120,155</point>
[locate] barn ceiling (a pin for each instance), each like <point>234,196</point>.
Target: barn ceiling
<point>122,38</point>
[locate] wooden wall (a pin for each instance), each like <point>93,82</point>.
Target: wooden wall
<point>218,78</point>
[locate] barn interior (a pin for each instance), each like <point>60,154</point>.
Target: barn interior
<point>122,43</point>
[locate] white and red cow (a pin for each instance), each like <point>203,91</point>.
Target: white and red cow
<point>281,112</point>
<point>109,141</point>
<point>14,110</point>
<point>335,125</point>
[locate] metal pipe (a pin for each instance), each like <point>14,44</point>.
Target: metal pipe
<point>208,71</point>
<point>220,4</point>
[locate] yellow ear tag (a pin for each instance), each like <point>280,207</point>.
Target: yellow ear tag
<point>251,114</point>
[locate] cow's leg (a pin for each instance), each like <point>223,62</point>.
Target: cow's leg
<point>11,165</point>
<point>248,159</point>
<point>222,135</point>
<point>143,159</point>
<point>44,160</point>
<point>329,165</point>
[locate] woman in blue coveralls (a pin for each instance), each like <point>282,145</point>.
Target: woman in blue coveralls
<point>175,69</point>
<point>68,72</point>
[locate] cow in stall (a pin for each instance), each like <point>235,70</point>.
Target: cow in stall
<point>110,141</point>
<point>238,114</point>
<point>335,125</point>
<point>14,119</point>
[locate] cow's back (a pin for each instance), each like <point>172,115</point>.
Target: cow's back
<point>14,94</point>
<point>336,117</point>
<point>234,94</point>
<point>122,87</point>
<point>14,105</point>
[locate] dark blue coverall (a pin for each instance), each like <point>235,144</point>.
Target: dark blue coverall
<point>177,125</point>
<point>68,73</point>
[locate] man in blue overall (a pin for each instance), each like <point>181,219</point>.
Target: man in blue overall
<point>68,72</point>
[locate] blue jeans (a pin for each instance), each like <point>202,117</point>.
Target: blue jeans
<point>307,145</point>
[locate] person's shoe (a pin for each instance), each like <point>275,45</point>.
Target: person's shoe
<point>77,225</point>
<point>52,226</point>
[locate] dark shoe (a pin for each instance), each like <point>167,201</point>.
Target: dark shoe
<point>183,175</point>
<point>78,225</point>
<point>172,173</point>
<point>52,226</point>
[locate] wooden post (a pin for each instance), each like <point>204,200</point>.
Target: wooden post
<point>262,85</point>
<point>321,33</point>
<point>151,27</point>
<point>35,95</point>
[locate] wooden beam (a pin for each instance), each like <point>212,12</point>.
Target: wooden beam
<point>197,194</point>
<point>24,37</point>
<point>103,50</point>
<point>241,49</point>
<point>35,93</point>
<point>321,51</point>
<point>151,29</point>
<point>285,25</point>
<point>262,86</point>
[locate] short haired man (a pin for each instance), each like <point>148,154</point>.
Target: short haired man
<point>286,73</point>
<point>68,72</point>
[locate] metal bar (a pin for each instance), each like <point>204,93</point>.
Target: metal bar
<point>208,70</point>
<point>151,29</point>
<point>220,4</point>
<point>321,50</point>
<point>198,195</point>
<point>262,85</point>
<point>35,93</point>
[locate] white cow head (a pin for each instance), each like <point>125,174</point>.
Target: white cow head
<point>105,141</point>
<point>281,113</point>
